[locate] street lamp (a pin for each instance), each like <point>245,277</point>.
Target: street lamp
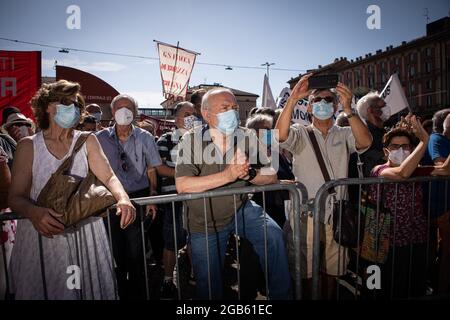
<point>267,64</point>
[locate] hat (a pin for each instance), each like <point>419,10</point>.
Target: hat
<point>14,118</point>
<point>7,112</point>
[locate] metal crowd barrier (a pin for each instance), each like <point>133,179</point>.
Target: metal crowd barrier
<point>359,288</point>
<point>298,196</point>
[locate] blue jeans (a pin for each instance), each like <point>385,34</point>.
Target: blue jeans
<point>250,222</point>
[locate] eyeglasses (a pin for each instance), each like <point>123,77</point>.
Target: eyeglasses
<point>21,124</point>
<point>394,146</point>
<point>327,99</point>
<point>123,158</point>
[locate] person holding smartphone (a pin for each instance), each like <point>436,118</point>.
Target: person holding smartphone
<point>336,145</point>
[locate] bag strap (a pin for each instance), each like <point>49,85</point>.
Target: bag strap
<point>78,144</point>
<point>318,153</point>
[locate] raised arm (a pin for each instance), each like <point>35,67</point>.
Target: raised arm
<point>406,169</point>
<point>299,92</point>
<point>363,138</point>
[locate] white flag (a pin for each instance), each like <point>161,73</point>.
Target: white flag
<point>176,66</point>
<point>394,96</point>
<point>283,97</point>
<point>267,99</point>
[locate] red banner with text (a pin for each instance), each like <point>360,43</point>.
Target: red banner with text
<point>20,78</point>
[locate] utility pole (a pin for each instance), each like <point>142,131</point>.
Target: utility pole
<point>267,64</point>
<point>426,15</point>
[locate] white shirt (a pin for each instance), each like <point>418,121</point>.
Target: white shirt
<point>336,148</point>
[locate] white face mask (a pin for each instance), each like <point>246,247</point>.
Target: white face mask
<point>24,131</point>
<point>124,117</point>
<point>398,156</point>
<point>190,122</point>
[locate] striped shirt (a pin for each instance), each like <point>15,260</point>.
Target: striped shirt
<point>168,151</point>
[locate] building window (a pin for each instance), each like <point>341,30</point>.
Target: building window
<point>429,84</point>
<point>371,82</point>
<point>412,56</point>
<point>412,71</point>
<point>429,100</point>
<point>428,52</point>
<point>370,69</point>
<point>428,67</point>
<point>412,88</point>
<point>383,77</point>
<point>397,61</point>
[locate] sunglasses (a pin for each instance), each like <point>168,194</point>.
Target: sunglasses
<point>394,146</point>
<point>21,124</point>
<point>327,99</point>
<point>123,158</point>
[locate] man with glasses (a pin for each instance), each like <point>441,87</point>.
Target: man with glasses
<point>335,145</point>
<point>133,156</point>
<point>373,110</point>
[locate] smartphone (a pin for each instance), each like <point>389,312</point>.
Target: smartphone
<point>323,82</point>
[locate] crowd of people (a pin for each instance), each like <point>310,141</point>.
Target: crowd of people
<point>210,150</point>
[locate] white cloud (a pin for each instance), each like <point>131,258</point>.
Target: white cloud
<point>77,63</point>
<point>147,99</point>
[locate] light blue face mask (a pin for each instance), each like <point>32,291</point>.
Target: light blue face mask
<point>323,110</point>
<point>67,116</point>
<point>97,115</point>
<point>228,121</point>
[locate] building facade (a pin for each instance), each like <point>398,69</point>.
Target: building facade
<point>423,67</point>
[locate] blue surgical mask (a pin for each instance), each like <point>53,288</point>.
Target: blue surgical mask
<point>67,116</point>
<point>97,115</point>
<point>228,121</point>
<point>267,137</point>
<point>323,110</point>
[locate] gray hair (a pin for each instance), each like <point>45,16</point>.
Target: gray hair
<point>257,120</point>
<point>126,97</point>
<point>205,99</point>
<point>365,102</point>
<point>438,120</point>
<point>181,105</point>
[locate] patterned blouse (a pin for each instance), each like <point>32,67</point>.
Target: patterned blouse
<point>410,222</point>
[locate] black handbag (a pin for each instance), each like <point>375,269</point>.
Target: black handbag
<point>348,227</point>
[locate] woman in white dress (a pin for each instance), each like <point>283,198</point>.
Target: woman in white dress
<point>74,263</point>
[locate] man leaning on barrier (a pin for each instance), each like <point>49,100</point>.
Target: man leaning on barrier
<point>336,144</point>
<point>197,172</point>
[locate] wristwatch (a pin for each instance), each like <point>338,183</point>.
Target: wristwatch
<point>251,174</point>
<point>351,114</point>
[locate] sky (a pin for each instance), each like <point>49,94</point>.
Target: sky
<point>296,35</point>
